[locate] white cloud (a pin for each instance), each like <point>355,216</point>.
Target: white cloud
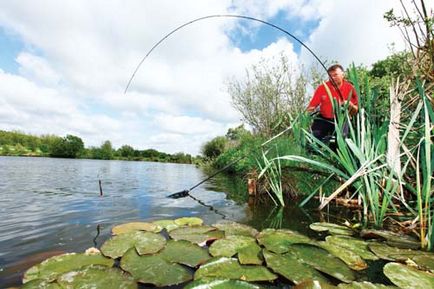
<point>78,56</point>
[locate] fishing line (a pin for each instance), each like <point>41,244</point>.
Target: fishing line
<point>185,193</point>
<point>229,16</point>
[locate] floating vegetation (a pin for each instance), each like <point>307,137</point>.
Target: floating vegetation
<point>232,255</point>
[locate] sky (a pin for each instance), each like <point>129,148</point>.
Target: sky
<point>64,65</point>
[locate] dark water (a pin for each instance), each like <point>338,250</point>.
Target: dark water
<point>50,206</point>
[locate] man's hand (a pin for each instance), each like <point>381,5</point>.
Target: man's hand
<point>352,109</point>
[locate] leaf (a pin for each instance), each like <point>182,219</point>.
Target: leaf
<point>407,277</point>
<point>229,268</point>
<point>233,228</point>
<point>135,226</point>
<point>40,284</point>
<point>220,284</point>
<point>153,269</point>
<point>359,247</point>
<point>144,242</point>
<point>393,239</point>
<point>333,229</point>
<point>188,221</point>
<point>323,261</point>
<point>278,241</point>
<point>97,277</point>
<point>350,258</point>
<point>389,253</point>
<point>169,225</point>
<point>184,252</point>
<point>246,247</point>
<point>364,285</point>
<point>288,266</point>
<point>51,268</point>
<point>196,234</point>
<point>313,284</point>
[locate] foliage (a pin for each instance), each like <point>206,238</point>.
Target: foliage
<point>214,147</point>
<point>268,94</point>
<point>68,147</point>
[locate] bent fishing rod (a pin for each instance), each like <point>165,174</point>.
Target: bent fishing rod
<point>186,192</point>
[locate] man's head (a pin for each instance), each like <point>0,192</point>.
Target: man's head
<point>336,72</point>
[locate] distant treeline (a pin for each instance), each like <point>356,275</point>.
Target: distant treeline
<point>15,143</point>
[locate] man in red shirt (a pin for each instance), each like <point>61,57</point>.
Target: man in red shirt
<point>342,91</point>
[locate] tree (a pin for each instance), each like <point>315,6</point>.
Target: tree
<point>214,147</point>
<point>68,147</point>
<point>126,151</point>
<point>268,94</point>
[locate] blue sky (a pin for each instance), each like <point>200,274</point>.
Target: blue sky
<point>64,64</point>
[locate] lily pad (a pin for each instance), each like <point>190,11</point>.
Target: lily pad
<point>359,247</point>
<point>246,247</point>
<point>291,268</point>
<point>221,284</point>
<point>184,252</point>
<point>144,242</point>
<point>169,225</point>
<point>55,266</point>
<point>233,228</point>
<point>229,268</point>
<point>40,284</point>
<point>323,261</point>
<point>364,285</point>
<point>333,229</point>
<point>423,259</point>
<point>278,241</point>
<point>196,234</point>
<point>313,284</point>
<point>189,221</point>
<point>97,277</point>
<point>407,277</point>
<point>153,269</point>
<point>350,258</point>
<point>393,239</point>
<point>135,226</point>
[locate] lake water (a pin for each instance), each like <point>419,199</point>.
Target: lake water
<point>50,206</point>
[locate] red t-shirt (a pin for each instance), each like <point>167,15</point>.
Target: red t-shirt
<point>322,99</point>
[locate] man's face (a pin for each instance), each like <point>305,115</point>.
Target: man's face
<point>337,75</point>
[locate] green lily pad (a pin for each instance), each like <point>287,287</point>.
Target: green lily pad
<point>184,252</point>
<point>333,229</point>
<point>153,269</point>
<point>169,225</point>
<point>144,242</point>
<point>313,284</point>
<point>229,268</point>
<point>221,284</point>
<point>393,239</point>
<point>291,268</point>
<point>407,277</point>
<point>278,241</point>
<point>246,247</point>
<point>350,258</point>
<point>189,221</point>
<point>364,285</point>
<point>233,228</point>
<point>323,261</point>
<point>359,247</point>
<point>40,284</point>
<point>51,268</point>
<point>135,226</point>
<point>196,234</point>
<point>97,277</point>
<point>423,259</point>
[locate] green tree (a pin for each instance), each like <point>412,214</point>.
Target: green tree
<point>268,94</point>
<point>106,150</point>
<point>126,151</point>
<point>68,147</point>
<point>214,147</point>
